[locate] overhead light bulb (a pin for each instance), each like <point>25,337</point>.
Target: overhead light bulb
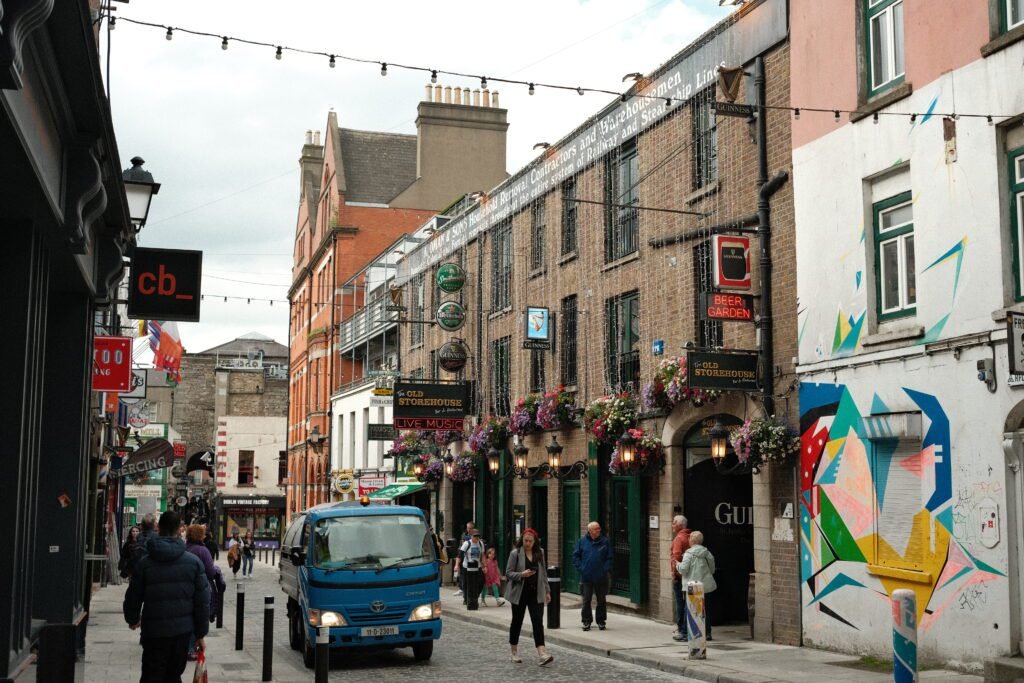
<point>483,82</point>
<point>531,89</point>
<point>580,91</point>
<point>113,23</point>
<point>170,33</point>
<point>278,55</point>
<point>383,68</point>
<point>989,119</point>
<point>330,62</point>
<point>874,118</point>
<point>796,113</point>
<point>913,119</point>
<point>668,102</point>
<point>836,112</point>
<point>224,43</point>
<point>433,76</point>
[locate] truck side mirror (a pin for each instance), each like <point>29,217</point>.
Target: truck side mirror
<point>298,557</point>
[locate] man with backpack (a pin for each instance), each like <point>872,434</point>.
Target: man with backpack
<point>472,564</point>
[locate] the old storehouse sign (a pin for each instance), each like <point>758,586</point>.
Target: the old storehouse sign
<point>452,356</point>
<point>731,371</point>
<point>429,406</point>
<point>451,277</point>
<point>450,316</point>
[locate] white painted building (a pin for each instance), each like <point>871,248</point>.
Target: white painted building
<point>251,473</point>
<point>908,238</point>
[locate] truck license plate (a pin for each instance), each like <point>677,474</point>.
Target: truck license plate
<point>374,631</point>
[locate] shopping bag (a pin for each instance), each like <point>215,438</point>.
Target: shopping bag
<point>200,675</point>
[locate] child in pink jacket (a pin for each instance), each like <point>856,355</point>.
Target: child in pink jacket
<point>492,578</point>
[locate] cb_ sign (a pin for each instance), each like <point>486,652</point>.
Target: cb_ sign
<point>165,284</point>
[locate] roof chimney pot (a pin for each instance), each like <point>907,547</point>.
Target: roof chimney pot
<point>486,98</point>
<point>309,137</point>
<point>494,99</point>
<point>430,91</point>
<point>476,97</point>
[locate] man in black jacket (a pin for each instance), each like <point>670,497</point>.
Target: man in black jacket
<point>169,597</point>
<point>148,527</point>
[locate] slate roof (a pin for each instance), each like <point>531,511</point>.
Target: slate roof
<point>253,341</point>
<point>377,166</point>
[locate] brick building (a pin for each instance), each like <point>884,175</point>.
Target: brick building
<point>359,192</point>
<point>610,229</point>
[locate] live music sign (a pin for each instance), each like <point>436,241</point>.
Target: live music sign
<point>166,284</point>
<point>724,306</point>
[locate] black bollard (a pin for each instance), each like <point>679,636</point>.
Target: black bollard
<point>240,616</point>
<point>220,607</point>
<point>323,653</point>
<point>554,607</point>
<point>268,638</point>
<point>273,557</point>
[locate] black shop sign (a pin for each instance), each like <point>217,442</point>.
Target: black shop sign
<point>166,284</point>
<point>430,406</point>
<point>728,371</point>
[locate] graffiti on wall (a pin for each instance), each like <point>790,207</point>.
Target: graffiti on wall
<point>875,518</point>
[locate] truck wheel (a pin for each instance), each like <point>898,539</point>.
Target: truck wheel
<point>422,651</point>
<point>295,635</point>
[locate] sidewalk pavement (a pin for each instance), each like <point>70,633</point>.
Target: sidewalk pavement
<point>732,657</point>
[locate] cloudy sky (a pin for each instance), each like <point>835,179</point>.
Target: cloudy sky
<point>222,130</point>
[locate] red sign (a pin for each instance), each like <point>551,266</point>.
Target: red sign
<point>368,485</point>
<point>179,449</point>
<point>732,261</point>
<point>431,424</point>
<point>110,403</point>
<point>112,364</point>
<point>721,306</point>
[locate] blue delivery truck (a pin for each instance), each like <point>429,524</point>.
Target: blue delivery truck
<point>367,571</point>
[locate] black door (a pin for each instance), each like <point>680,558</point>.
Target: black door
<point>462,509</point>
<point>539,510</point>
<point>721,506</point>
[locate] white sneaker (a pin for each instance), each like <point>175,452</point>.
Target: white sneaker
<point>516,658</point>
<point>458,593</point>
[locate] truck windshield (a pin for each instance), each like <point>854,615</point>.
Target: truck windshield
<point>378,542</point>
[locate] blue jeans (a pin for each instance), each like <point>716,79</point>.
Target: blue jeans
<point>247,564</point>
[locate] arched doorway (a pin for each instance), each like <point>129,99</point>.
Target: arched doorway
<point>720,506</point>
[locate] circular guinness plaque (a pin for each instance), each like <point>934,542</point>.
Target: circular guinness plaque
<point>450,316</point>
<point>452,356</point>
<point>451,277</point>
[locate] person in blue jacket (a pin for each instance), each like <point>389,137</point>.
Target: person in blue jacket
<point>593,558</point>
<point>169,597</point>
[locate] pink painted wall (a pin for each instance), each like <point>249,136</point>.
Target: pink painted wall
<point>940,36</point>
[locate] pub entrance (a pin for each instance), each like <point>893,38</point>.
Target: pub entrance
<point>721,506</point>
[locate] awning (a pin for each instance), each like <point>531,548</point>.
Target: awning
<point>393,491</point>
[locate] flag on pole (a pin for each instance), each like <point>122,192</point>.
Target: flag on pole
<point>165,342</point>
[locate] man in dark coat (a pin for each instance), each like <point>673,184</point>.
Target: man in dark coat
<point>169,597</point>
<point>148,528</point>
<point>594,558</point>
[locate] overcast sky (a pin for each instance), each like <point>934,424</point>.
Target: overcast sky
<point>222,131</point>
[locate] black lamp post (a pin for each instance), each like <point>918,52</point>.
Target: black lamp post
<point>139,187</point>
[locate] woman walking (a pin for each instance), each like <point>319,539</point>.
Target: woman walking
<point>248,555</point>
<point>127,563</point>
<point>492,578</point>
<point>698,564</point>
<point>194,536</point>
<point>528,591</point>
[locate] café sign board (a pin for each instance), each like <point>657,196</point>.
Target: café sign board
<point>728,371</point>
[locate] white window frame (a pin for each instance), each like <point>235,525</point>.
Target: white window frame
<point>901,259</point>
<point>889,12</point>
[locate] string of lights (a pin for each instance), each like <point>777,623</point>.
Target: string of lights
<point>636,91</point>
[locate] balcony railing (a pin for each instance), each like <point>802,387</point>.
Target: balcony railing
<point>366,323</point>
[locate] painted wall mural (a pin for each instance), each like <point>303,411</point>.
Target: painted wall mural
<point>874,519</point>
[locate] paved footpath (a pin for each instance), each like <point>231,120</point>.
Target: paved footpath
<point>474,646</point>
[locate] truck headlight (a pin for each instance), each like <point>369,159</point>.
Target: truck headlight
<point>431,610</point>
<point>326,618</point>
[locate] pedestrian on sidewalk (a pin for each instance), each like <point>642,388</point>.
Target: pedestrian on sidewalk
<point>169,598</point>
<point>460,575</point>
<point>492,578</point>
<point>126,564</point>
<point>194,537</point>
<point>593,559</point>
<point>473,560</point>
<point>148,527</point>
<point>235,553</point>
<point>698,564</point>
<point>248,555</point>
<point>211,545</point>
<point>680,544</point>
<point>528,590</point>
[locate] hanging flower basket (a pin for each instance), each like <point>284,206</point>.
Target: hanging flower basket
<point>607,417</point>
<point>557,409</point>
<point>407,444</point>
<point>492,432</point>
<point>524,415</point>
<point>764,440</point>
<point>465,467</point>
<point>649,456</point>
<point>446,437</point>
<point>434,467</point>
<point>669,387</point>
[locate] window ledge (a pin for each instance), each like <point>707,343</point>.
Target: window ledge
<point>911,575</point>
<point>898,334</point>
<point>635,256</point>
<point>999,315</point>
<point>537,273</point>
<point>417,345</point>
<point>1005,40</point>
<point>498,314</point>
<point>701,193</point>
<point>882,101</point>
<point>571,256</point>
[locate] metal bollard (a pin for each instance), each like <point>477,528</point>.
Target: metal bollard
<point>904,636</point>
<point>555,606</point>
<point>695,627</point>
<point>323,653</point>
<point>268,638</point>
<point>220,607</point>
<point>273,557</point>
<point>239,616</point>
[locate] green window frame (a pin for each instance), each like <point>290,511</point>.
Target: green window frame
<point>895,263</point>
<point>883,35</point>
<point>622,364</point>
<point>1011,14</point>
<point>1015,176</point>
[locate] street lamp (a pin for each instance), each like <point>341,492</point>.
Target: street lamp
<point>139,188</point>
<point>627,448</point>
<point>493,460</point>
<point>554,463</point>
<point>554,453</point>
<point>520,453</point>
<point>417,469</point>
<point>449,463</point>
<point>719,442</point>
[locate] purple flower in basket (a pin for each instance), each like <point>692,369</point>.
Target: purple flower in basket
<point>464,469</point>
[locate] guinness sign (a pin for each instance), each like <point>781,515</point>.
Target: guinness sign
<point>452,356</point>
